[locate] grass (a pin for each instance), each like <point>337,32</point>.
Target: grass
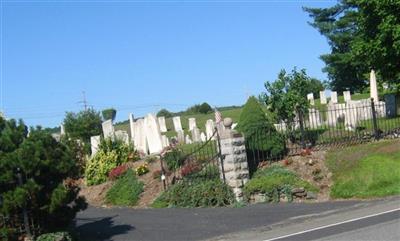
<point>275,178</point>
<point>125,191</point>
<point>365,171</point>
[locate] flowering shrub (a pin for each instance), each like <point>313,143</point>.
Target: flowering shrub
<point>190,169</point>
<point>142,169</point>
<point>117,172</point>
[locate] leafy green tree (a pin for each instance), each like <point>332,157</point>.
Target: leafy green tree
<point>205,108</point>
<point>109,114</point>
<point>44,166</point>
<point>288,94</point>
<point>363,34</point>
<point>315,87</point>
<point>165,113</point>
<point>83,125</point>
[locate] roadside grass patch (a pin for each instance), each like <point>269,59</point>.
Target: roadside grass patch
<point>125,191</point>
<point>211,193</point>
<point>273,180</point>
<point>365,171</point>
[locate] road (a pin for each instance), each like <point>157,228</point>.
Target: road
<point>256,222</point>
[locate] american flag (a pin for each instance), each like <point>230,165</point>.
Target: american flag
<point>218,116</point>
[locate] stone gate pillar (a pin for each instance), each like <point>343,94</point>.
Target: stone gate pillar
<point>234,159</point>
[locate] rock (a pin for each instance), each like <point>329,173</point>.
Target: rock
<point>298,190</point>
<point>300,194</point>
<point>258,198</point>
<point>311,195</point>
<point>329,175</point>
<point>310,162</point>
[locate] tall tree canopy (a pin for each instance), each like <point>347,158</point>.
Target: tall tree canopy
<point>363,35</point>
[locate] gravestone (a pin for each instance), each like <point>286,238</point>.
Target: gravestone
<point>188,140</point>
<point>132,126</point>
<point>335,112</point>
<point>391,110</point>
<point>314,118</point>
<point>108,129</point>
<point>122,136</point>
<point>153,134</point>
<point>192,123</point>
<point>140,137</point>
<point>94,144</point>
<point>181,136</point>
<point>177,123</point>
<point>62,130</point>
<point>334,98</point>
<point>322,97</point>
<point>165,141</point>
<point>196,134</point>
<point>346,96</point>
<point>161,122</point>
<point>281,127</point>
<point>351,118</point>
<point>203,137</point>
<point>210,128</point>
<point>310,98</point>
<point>373,86</point>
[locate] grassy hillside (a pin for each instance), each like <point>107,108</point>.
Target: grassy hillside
<point>201,120</point>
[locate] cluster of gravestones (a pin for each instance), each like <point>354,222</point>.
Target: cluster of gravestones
<point>351,112</point>
<point>146,134</point>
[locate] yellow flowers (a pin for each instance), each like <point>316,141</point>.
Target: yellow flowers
<point>142,169</point>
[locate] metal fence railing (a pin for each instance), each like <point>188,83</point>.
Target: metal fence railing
<point>331,125</point>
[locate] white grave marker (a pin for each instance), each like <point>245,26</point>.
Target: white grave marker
<point>108,129</point>
<point>153,134</point>
<point>177,123</point>
<point>161,122</point>
<point>322,97</point>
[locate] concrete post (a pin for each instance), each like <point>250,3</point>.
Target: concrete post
<point>235,159</point>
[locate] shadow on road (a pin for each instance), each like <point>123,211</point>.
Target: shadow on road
<point>97,229</point>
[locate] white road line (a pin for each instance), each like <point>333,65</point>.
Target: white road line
<point>334,224</point>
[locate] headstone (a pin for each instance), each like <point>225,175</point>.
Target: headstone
<point>346,96</point>
<point>153,134</point>
<point>177,123</point>
<point>62,130</point>
<point>140,137</point>
<point>281,127</point>
<point>165,141</point>
<point>322,97</point>
<point>192,123</point>
<point>181,136</point>
<point>334,98</point>
<point>335,112</point>
<point>210,128</point>
<point>196,134</point>
<point>373,86</point>
<point>351,118</point>
<point>391,110</point>
<point>94,144</point>
<point>203,137</point>
<point>161,122</point>
<point>122,136</point>
<point>132,126</point>
<point>310,98</point>
<point>314,118</point>
<point>108,129</point>
<point>188,140</point>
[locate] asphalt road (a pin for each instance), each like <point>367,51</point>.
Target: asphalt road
<point>256,222</point>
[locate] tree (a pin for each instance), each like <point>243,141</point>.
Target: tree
<point>165,113</point>
<point>44,166</point>
<point>109,114</point>
<point>288,94</point>
<point>83,125</point>
<point>205,108</point>
<point>315,87</point>
<point>259,131</point>
<point>363,35</point>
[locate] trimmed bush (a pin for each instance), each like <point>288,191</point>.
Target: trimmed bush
<point>211,193</point>
<point>59,236</point>
<point>275,180</point>
<point>259,132</point>
<point>125,191</point>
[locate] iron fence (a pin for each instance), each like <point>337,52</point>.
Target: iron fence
<point>331,125</point>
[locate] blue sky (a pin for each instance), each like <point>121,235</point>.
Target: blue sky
<point>141,56</point>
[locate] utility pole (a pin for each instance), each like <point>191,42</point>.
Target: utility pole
<point>84,102</point>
